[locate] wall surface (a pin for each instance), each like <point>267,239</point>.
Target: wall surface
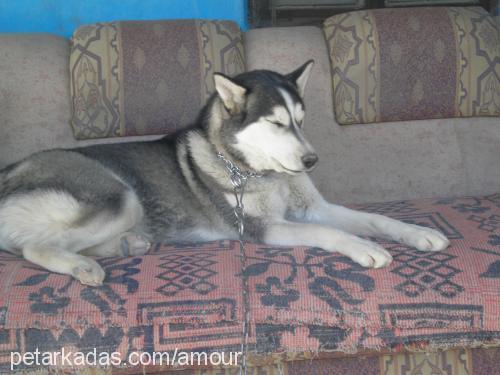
<point>63,16</point>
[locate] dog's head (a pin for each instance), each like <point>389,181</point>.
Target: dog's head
<point>263,118</point>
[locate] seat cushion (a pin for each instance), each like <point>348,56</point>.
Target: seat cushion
<point>300,300</point>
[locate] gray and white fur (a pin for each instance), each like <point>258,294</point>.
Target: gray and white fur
<point>58,206</point>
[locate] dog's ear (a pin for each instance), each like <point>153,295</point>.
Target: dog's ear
<point>232,94</point>
<point>300,76</point>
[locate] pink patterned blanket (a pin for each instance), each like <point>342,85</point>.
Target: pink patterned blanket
<point>302,299</point>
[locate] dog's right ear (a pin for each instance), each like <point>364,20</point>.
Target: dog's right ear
<point>232,94</point>
<point>300,76</point>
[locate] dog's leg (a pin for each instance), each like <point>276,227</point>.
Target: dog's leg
<point>366,224</point>
<point>126,244</point>
<point>313,208</point>
<point>364,252</point>
<point>50,227</point>
<point>84,269</point>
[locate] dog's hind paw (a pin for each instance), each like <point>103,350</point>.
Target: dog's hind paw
<point>88,272</point>
<point>426,239</point>
<point>134,244</point>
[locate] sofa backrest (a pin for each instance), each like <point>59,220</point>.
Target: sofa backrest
<point>35,106</point>
<point>358,163</point>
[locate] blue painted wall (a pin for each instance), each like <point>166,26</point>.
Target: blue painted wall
<point>63,16</point>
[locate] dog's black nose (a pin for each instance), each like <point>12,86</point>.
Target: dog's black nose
<point>309,160</point>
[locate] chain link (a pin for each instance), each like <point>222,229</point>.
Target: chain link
<point>239,180</point>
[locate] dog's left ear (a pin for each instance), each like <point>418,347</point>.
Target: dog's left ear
<point>232,94</point>
<point>300,76</point>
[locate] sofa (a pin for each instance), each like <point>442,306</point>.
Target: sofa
<point>310,312</point>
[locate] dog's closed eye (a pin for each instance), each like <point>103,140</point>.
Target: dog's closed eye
<point>278,124</point>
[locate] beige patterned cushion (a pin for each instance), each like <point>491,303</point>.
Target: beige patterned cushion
<point>414,63</point>
<point>148,77</point>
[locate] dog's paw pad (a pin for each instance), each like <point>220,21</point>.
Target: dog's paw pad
<point>89,272</point>
<point>134,244</point>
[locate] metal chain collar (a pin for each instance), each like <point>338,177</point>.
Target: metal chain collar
<point>239,180</point>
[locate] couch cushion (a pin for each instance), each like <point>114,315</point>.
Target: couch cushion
<point>147,77</point>
<point>301,300</point>
<point>414,63</point>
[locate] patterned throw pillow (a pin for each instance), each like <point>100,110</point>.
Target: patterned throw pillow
<point>147,77</point>
<point>414,63</point>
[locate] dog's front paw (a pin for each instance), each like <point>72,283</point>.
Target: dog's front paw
<point>426,239</point>
<point>366,253</point>
<point>88,272</point>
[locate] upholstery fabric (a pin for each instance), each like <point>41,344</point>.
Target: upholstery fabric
<point>463,361</point>
<point>303,301</point>
<point>35,106</point>
<point>147,77</point>
<point>34,93</point>
<point>414,63</point>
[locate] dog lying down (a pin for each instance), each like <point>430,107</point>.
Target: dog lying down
<point>59,206</point>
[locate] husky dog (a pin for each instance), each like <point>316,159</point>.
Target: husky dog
<point>58,206</point>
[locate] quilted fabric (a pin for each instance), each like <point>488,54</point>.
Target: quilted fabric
<point>414,64</point>
<point>147,77</point>
<point>303,301</point>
